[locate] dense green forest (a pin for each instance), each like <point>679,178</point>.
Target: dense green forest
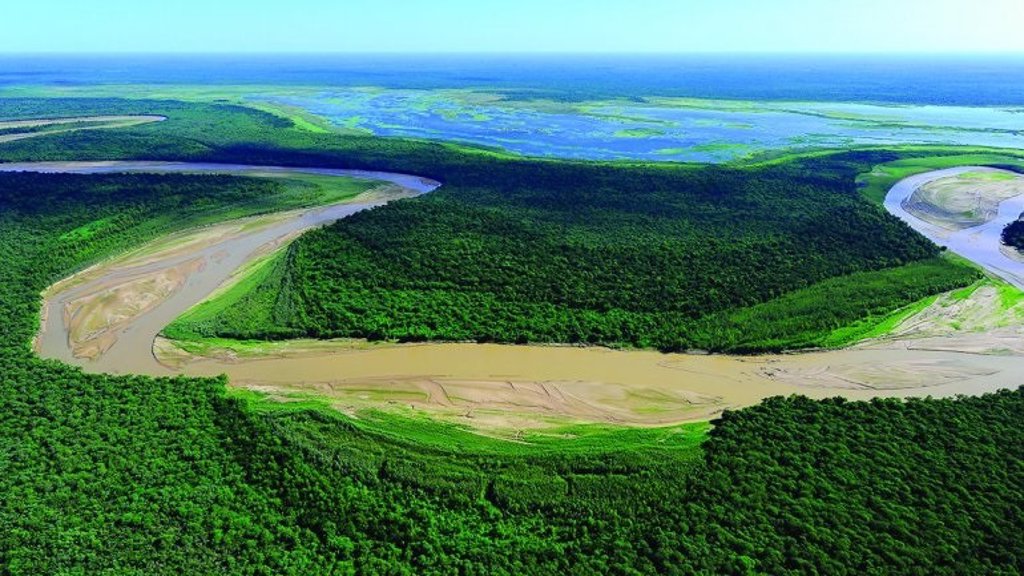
<point>668,260</point>
<point>136,475</point>
<point>1013,234</point>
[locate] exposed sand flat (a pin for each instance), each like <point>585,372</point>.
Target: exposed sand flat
<point>980,323</point>
<point>505,386</point>
<point>1012,253</point>
<point>964,200</point>
<point>4,124</point>
<point>91,123</point>
<point>101,302</point>
<point>96,316</point>
<point>965,345</point>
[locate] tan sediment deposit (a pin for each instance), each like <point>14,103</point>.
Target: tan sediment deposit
<point>1012,253</point>
<point>105,299</point>
<point>964,200</point>
<point>980,323</point>
<point>95,317</point>
<point>34,123</point>
<point>493,386</point>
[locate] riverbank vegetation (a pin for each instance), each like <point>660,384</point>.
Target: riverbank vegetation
<point>876,183</point>
<point>136,475</point>
<point>1013,235</point>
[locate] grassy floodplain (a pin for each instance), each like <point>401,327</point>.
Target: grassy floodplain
<point>128,474</point>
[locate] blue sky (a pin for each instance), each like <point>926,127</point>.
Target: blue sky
<point>512,26</point>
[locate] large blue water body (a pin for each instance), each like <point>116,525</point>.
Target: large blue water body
<point>948,80</point>
<point>607,107</point>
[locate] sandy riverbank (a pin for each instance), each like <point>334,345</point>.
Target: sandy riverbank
<point>72,124</point>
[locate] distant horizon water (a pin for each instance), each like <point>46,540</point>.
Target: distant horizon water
<point>964,79</point>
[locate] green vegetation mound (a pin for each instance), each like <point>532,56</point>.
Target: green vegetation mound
<point>673,258</point>
<point>1013,235</point>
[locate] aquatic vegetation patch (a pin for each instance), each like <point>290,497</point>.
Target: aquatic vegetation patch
<point>544,124</point>
<point>639,133</point>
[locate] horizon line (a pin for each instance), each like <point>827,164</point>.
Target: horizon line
<point>513,53</point>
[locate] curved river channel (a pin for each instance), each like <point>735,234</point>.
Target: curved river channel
<point>209,264</point>
<point>488,386</point>
<point>979,244</point>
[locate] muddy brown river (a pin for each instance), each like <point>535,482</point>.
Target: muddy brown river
<point>107,318</point>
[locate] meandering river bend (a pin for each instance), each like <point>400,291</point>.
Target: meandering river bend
<point>979,244</point>
<point>482,385</point>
